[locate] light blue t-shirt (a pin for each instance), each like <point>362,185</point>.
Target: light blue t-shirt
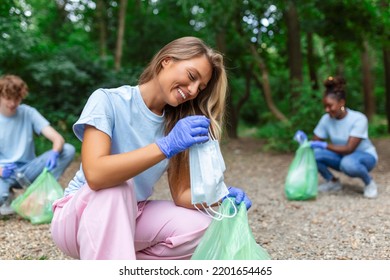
<point>122,114</point>
<point>354,124</point>
<point>17,135</point>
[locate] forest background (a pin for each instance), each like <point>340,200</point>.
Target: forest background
<point>277,54</point>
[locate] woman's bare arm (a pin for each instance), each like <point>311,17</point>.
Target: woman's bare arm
<point>103,170</point>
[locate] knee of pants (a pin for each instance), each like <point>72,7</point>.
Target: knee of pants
<point>68,150</point>
<point>61,237</point>
<point>349,167</point>
<point>318,155</point>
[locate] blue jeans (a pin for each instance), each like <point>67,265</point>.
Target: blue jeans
<point>357,164</point>
<point>34,168</point>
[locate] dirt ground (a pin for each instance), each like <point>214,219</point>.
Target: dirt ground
<point>334,226</point>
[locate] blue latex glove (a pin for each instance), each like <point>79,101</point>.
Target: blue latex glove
<point>300,136</point>
<point>8,169</point>
<point>240,196</point>
<point>318,144</point>
<point>187,132</point>
<point>51,162</point>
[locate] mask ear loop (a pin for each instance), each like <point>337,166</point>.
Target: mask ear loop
<point>217,215</point>
<point>211,135</point>
<point>208,214</point>
<point>220,215</point>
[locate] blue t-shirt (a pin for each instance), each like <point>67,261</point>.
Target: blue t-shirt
<point>122,114</point>
<point>17,135</point>
<point>354,124</point>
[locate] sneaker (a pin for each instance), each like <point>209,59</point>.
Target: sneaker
<point>330,186</point>
<point>5,208</point>
<point>371,190</point>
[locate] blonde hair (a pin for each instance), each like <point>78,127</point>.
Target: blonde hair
<point>13,87</point>
<point>209,102</point>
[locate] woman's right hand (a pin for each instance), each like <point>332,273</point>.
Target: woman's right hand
<point>300,136</point>
<point>8,170</point>
<point>187,132</point>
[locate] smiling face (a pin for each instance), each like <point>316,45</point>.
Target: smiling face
<point>8,106</point>
<point>334,107</point>
<point>183,80</point>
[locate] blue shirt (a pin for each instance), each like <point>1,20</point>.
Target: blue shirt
<point>354,124</point>
<point>122,114</point>
<point>17,135</point>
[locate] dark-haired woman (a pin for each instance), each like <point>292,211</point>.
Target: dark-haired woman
<point>341,141</point>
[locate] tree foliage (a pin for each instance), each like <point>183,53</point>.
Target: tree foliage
<point>66,49</point>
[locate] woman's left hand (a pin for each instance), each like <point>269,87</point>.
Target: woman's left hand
<point>52,159</point>
<point>240,196</point>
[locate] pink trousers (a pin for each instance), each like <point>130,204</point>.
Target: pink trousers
<point>110,225</point>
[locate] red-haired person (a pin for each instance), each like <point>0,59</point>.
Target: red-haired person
<point>18,124</point>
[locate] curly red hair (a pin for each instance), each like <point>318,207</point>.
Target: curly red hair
<point>13,87</point>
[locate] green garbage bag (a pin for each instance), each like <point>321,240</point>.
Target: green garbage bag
<point>302,177</point>
<point>35,203</point>
<point>230,238</point>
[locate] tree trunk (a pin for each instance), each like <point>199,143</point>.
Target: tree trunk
<point>264,83</point>
<point>328,64</point>
<point>339,61</point>
<point>121,32</point>
<point>294,47</point>
<point>369,98</point>
<point>100,15</point>
<point>245,97</point>
<point>60,19</point>
<point>386,62</point>
<point>231,122</point>
<point>311,62</point>
<point>234,111</point>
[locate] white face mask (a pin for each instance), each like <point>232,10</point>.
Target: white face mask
<point>206,173</point>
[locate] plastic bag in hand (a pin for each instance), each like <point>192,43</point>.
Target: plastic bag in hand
<point>36,202</point>
<point>230,239</point>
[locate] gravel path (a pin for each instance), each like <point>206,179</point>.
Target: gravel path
<point>335,226</point>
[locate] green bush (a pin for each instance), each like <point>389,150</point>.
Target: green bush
<point>308,110</point>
